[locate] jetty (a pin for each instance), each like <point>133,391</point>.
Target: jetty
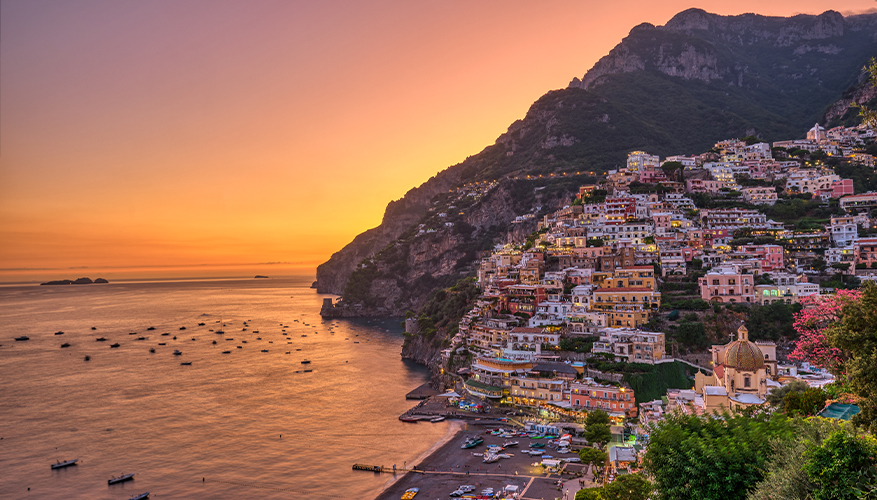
<point>370,468</point>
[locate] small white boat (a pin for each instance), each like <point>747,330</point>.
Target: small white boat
<point>120,479</point>
<point>140,496</point>
<point>60,465</point>
<point>509,443</point>
<point>437,419</point>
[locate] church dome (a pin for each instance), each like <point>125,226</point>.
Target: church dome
<point>743,354</point>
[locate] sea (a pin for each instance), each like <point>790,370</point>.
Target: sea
<point>253,423</point>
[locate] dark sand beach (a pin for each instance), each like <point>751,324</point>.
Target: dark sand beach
<point>450,466</point>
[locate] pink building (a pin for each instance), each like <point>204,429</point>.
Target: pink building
<point>726,284</point>
<point>703,186</point>
<point>652,176</point>
<point>865,251</point>
<point>839,188</point>
<point>771,256</point>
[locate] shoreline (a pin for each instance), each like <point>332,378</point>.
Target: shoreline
<point>455,430</point>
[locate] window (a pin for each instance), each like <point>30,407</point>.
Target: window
<point>747,382</point>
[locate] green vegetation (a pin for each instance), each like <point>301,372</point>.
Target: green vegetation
<point>778,394</point>
<point>625,487</point>
<point>855,335</point>
<point>811,465</point>
<point>772,321</point>
<point>650,382</point>
<point>806,403</point>
<point>712,458</point>
<point>593,456</point>
<point>445,308</point>
<point>597,429</point>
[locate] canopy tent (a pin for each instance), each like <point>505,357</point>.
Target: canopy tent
<point>451,394</point>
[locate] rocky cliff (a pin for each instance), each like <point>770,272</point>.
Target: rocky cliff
<point>672,89</point>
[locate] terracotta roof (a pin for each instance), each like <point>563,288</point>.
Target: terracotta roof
<point>525,329</point>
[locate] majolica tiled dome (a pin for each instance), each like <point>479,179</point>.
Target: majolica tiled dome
<point>744,355</point>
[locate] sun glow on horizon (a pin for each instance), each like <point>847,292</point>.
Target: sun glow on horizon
<point>171,137</point>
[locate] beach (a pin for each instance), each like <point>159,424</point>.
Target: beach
<point>448,466</point>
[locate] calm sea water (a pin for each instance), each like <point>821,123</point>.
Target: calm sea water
<point>221,419</point>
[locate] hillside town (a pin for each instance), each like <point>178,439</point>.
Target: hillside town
<point>602,282</point>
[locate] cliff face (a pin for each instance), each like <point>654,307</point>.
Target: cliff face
<point>400,214</point>
<point>696,45</point>
<point>672,89</point>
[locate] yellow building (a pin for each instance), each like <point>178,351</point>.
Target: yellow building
<point>626,277</point>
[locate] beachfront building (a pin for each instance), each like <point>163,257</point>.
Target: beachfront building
<point>527,390</point>
<point>492,377</point>
<point>633,346</point>
<point>617,401</point>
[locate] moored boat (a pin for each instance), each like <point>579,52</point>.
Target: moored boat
<point>140,496</point>
<point>186,363</point>
<point>23,337</point>
<point>409,419</point>
<point>65,344</point>
<point>437,419</point>
<point>509,443</point>
<point>472,442</point>
<point>122,478</point>
<point>115,345</point>
<point>67,463</point>
<point>177,352</point>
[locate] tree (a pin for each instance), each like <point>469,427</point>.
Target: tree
<point>598,434</point>
<point>838,463</point>
<point>596,417</point>
<point>628,487</point>
<point>778,394</point>
<point>811,323</point>
<point>854,338</point>
<point>715,457</point>
<point>806,403</point>
<point>593,456</point>
<point>692,335</point>
<point>590,494</point>
<point>785,476</point>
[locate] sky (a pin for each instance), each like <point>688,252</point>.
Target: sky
<point>217,138</point>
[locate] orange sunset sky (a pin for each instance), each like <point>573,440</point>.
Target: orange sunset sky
<point>195,138</point>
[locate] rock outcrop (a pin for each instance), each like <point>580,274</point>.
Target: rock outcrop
<point>78,281</point>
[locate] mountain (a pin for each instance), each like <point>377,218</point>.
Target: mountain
<point>672,89</point>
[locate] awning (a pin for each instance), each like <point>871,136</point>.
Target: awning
<point>451,394</point>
